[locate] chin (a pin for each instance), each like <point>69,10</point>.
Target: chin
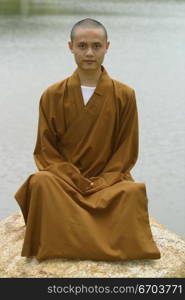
<point>90,67</point>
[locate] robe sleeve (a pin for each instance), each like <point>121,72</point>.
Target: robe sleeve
<point>48,158</point>
<point>125,152</point>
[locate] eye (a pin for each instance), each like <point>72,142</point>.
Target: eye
<point>81,46</point>
<point>97,46</point>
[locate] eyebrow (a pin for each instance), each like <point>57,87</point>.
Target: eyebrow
<point>84,42</point>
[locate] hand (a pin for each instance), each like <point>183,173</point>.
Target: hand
<point>94,185</point>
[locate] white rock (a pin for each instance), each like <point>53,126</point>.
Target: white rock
<point>12,264</point>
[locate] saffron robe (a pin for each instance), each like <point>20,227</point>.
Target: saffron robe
<point>77,145</point>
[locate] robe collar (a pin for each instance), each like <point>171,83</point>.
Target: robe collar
<point>102,85</point>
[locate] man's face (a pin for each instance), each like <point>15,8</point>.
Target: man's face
<point>89,47</point>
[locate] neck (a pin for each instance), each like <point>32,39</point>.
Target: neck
<point>89,77</point>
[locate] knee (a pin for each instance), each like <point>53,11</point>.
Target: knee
<point>136,189</point>
<point>39,178</point>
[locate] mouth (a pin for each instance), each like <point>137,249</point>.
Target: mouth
<point>89,61</point>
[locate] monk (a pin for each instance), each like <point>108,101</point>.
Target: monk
<point>83,202</point>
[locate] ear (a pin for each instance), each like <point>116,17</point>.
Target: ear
<point>107,45</point>
<point>70,45</point>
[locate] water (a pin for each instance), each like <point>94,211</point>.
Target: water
<point>146,52</point>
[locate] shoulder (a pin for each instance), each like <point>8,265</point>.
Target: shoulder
<point>52,94</point>
<point>124,95</point>
<point>55,88</point>
<point>123,89</point>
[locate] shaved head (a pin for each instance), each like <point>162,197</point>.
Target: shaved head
<point>88,23</point>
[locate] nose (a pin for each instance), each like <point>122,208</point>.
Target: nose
<point>89,52</point>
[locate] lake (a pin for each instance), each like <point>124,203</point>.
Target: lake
<point>146,51</point>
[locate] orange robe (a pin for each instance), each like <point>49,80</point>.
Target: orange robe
<point>76,145</point>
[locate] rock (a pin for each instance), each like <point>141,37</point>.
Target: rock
<point>12,264</point>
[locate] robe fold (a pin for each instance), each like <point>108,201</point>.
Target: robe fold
<point>83,202</point>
